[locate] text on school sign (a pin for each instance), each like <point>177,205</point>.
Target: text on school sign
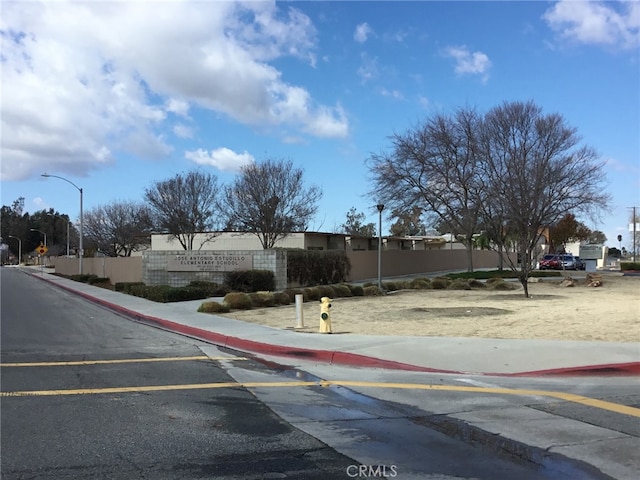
<point>209,262</point>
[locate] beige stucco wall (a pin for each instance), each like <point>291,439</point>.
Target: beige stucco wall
<point>364,264</point>
<point>119,269</point>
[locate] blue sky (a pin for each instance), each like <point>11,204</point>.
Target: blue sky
<point>115,96</point>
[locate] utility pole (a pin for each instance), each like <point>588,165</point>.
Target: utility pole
<point>634,221</point>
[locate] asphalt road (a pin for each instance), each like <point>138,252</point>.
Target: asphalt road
<point>220,433</point>
<point>89,394</point>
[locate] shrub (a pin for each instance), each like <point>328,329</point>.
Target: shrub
<point>494,280</point>
<point>93,280</point>
<point>292,292</point>
<point>311,294</point>
<point>372,291</point>
<point>282,298</point>
<point>165,293</point>
<point>238,301</point>
<point>459,284</point>
<point>439,283</point>
<point>326,291</point>
<point>504,286</point>
<point>212,289</point>
<point>250,280</point>
<point>390,286</point>
<point>342,290</point>
<point>262,299</point>
<point>214,307</point>
<point>473,283</point>
<point>629,266</point>
<point>183,294</point>
<point>83,278</point>
<point>125,287</point>
<point>420,284</point>
<point>356,290</point>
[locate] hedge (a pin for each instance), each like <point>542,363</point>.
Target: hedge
<point>250,281</point>
<point>166,294</point>
<point>629,266</point>
<point>317,267</point>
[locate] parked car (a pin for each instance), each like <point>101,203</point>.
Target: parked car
<point>550,262</point>
<point>580,264</point>
<point>569,262</point>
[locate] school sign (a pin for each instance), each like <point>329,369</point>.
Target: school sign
<point>209,262</point>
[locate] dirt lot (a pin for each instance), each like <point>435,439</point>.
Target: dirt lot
<point>610,312</point>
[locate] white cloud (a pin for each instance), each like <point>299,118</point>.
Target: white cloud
<point>223,158</point>
<point>362,32</point>
<point>612,23</point>
<point>467,62</point>
<point>39,204</point>
<point>182,131</point>
<point>392,93</point>
<point>178,107</point>
<point>368,68</point>
<point>79,77</point>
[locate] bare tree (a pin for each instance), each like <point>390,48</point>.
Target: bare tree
<point>536,171</point>
<point>354,225</point>
<point>269,200</point>
<point>185,205</point>
<point>436,167</point>
<point>119,228</point>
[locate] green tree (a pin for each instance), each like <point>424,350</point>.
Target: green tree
<point>409,223</point>
<point>354,224</point>
<point>567,229</point>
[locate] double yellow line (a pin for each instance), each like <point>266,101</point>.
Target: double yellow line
<point>568,397</point>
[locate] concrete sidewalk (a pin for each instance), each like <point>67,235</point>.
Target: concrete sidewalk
<point>437,354</point>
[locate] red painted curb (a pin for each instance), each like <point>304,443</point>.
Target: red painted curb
<point>335,357</point>
<point>609,369</point>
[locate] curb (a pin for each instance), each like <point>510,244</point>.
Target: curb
<point>336,357</point>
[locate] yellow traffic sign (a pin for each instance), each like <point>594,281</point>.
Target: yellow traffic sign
<point>42,249</point>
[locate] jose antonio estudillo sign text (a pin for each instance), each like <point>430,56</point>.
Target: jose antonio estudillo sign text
<point>209,262</point>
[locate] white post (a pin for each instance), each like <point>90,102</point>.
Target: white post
<point>299,312</point>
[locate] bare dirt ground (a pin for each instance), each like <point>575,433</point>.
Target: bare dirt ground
<point>609,313</point>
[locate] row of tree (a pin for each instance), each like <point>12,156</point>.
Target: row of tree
<point>510,174</point>
<point>268,199</point>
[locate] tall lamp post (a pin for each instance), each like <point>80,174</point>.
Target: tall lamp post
<point>81,221</point>
<point>19,249</point>
<point>40,231</point>
<point>380,207</point>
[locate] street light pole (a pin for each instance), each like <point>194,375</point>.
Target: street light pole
<point>380,207</point>
<point>81,220</point>
<point>40,231</point>
<point>19,249</point>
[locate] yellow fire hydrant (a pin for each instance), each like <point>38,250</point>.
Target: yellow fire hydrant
<point>325,315</point>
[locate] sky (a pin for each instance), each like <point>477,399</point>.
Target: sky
<point>115,96</point>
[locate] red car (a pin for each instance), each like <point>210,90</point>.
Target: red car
<point>550,262</point>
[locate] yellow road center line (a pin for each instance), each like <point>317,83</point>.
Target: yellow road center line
<point>569,397</point>
<point>108,362</point>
